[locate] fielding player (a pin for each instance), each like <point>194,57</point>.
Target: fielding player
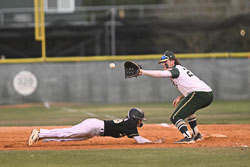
<point>195,94</point>
<point>95,127</point>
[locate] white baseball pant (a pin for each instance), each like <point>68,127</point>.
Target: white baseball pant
<point>82,131</point>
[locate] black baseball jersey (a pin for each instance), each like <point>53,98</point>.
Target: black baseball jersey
<point>121,127</point>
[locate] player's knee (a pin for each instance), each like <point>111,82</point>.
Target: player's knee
<point>173,119</point>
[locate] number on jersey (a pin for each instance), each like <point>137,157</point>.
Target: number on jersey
<point>189,73</point>
<point>117,121</point>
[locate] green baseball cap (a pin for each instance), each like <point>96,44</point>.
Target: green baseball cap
<point>167,56</point>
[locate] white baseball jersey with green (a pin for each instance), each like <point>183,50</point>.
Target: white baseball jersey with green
<point>183,79</point>
<point>187,82</point>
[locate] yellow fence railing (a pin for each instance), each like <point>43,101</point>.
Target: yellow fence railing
<point>126,57</point>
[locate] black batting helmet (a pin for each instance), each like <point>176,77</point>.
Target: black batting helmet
<point>136,113</point>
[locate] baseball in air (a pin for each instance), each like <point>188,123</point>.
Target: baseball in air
<point>112,65</point>
<point>242,32</point>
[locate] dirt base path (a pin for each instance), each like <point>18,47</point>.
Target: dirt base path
<point>15,138</point>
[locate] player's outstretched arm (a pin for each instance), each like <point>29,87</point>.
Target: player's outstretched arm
<point>142,140</point>
<point>155,73</point>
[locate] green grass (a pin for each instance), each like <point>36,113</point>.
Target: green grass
<point>188,157</point>
<point>220,112</point>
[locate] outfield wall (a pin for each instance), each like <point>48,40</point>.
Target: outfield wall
<point>95,82</point>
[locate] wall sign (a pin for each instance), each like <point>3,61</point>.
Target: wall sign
<point>25,83</point>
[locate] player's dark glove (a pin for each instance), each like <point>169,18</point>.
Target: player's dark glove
<point>132,69</point>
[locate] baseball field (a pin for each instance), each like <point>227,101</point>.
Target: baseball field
<point>225,126</point>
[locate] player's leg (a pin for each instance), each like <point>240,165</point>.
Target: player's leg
<point>182,127</point>
<point>202,99</point>
<point>82,131</point>
<point>193,125</point>
<point>188,106</point>
<point>34,139</point>
<point>66,139</point>
<point>87,129</point>
<point>178,117</point>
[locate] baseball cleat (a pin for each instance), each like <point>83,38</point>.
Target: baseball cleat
<point>33,137</point>
<point>198,137</point>
<point>185,141</point>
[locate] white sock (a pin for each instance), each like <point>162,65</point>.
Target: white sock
<point>195,131</point>
<point>187,134</point>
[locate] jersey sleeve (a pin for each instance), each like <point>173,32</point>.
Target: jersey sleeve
<point>133,135</point>
<point>175,72</point>
<point>132,132</point>
<point>141,140</point>
<point>131,128</point>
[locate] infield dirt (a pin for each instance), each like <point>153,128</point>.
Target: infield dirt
<point>232,135</point>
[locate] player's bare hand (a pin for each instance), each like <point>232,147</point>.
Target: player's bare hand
<point>176,101</point>
<point>159,141</point>
<point>140,72</point>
